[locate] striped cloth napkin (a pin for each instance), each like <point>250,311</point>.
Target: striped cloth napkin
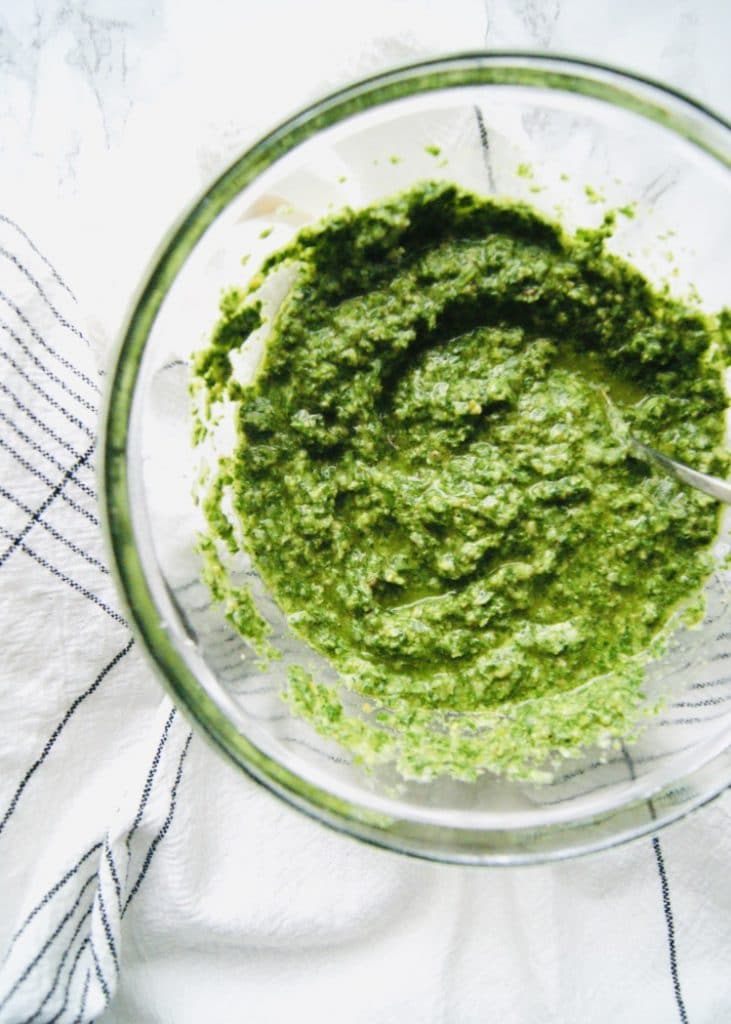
<point>144,879</point>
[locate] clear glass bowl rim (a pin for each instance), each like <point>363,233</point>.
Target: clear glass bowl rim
<point>404,833</point>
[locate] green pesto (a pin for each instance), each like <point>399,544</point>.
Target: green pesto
<point>592,195</point>
<point>213,366</point>
<point>428,479</point>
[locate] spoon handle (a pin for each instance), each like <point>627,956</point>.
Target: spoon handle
<point>718,489</point>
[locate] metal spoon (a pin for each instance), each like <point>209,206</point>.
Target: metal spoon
<point>712,485</point>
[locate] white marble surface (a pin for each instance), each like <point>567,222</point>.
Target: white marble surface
<point>115,113</point>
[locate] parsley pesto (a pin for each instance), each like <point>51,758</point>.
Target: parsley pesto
<point>427,478</point>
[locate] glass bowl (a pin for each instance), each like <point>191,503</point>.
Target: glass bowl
<point>525,126</point>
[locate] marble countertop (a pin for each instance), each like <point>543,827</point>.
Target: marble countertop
<point>115,113</point>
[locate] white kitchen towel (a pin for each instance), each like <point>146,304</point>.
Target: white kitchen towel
<point>142,878</point>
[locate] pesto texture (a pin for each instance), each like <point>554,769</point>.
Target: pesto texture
<point>428,478</point>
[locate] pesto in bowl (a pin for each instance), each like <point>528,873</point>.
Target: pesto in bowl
<point>426,479</point>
